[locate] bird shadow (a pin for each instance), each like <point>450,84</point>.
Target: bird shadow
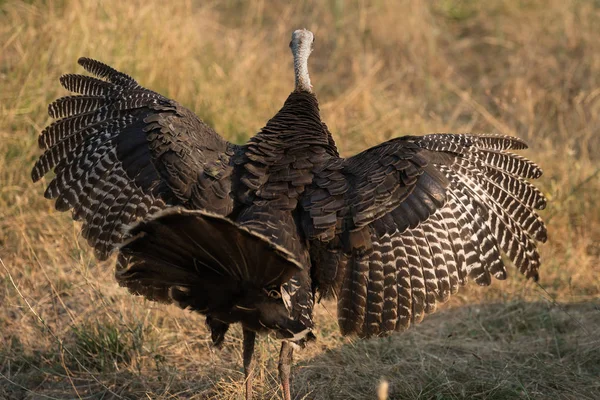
<point>491,351</point>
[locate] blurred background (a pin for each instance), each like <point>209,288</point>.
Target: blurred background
<point>380,69</point>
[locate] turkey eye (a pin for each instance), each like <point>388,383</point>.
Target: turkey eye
<point>274,294</point>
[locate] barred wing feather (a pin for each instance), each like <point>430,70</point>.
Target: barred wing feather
<point>422,215</point>
<point>121,152</point>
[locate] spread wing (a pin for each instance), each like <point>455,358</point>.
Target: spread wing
<point>420,216</point>
<point>121,152</point>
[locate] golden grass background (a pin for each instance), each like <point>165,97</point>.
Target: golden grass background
<point>380,69</point>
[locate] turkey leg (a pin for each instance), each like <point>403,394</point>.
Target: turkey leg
<point>249,339</point>
<point>285,367</point>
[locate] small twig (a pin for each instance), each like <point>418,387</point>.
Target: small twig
<point>54,290</point>
<point>481,110</point>
<point>561,308</point>
<point>573,191</point>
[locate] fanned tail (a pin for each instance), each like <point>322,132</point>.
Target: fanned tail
<point>182,247</point>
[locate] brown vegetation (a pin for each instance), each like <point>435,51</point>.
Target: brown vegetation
<point>381,69</point>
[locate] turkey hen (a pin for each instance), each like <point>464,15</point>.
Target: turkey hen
<point>252,233</point>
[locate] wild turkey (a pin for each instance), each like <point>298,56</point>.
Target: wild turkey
<point>252,233</point>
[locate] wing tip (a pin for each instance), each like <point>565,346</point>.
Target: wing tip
<point>36,172</point>
<point>64,81</point>
<point>83,61</point>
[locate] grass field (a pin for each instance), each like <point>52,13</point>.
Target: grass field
<point>380,69</point>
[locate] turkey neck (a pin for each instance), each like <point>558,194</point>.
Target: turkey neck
<point>302,78</point>
<point>301,45</point>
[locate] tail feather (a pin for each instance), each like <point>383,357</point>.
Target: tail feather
<point>207,245</point>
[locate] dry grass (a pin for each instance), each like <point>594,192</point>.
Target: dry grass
<point>381,69</point>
